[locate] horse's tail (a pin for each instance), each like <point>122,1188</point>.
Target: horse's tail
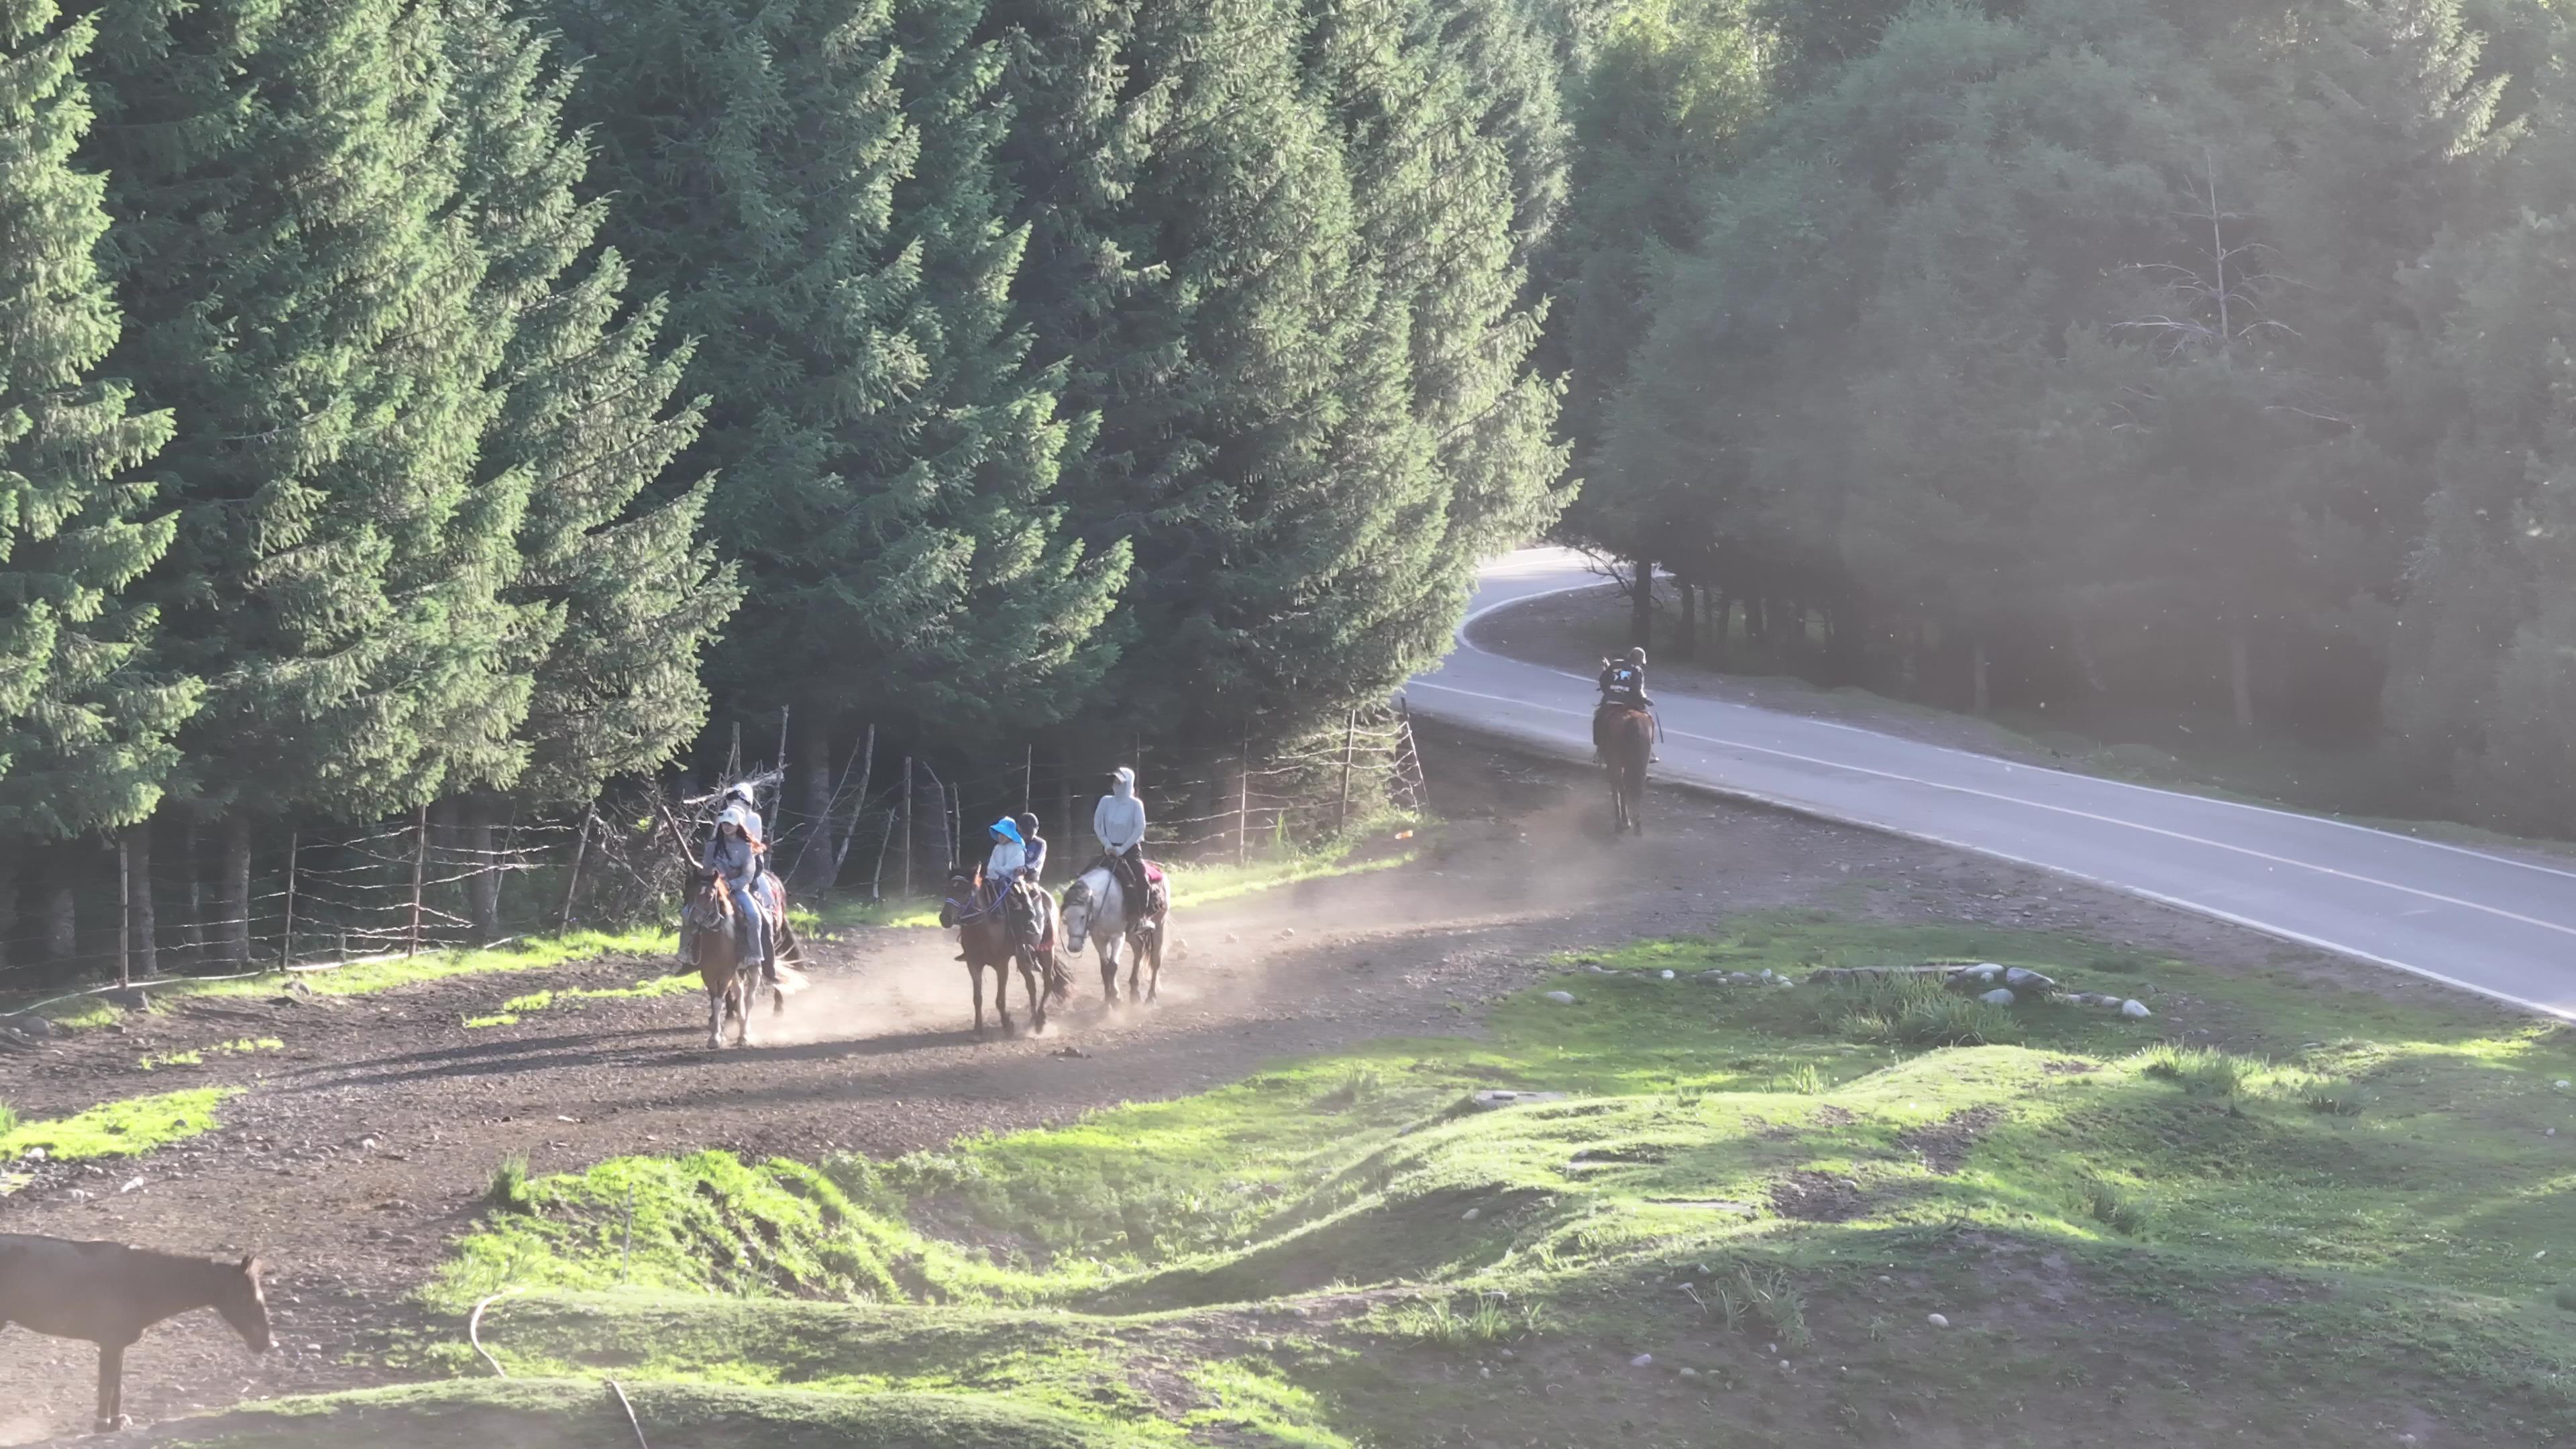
<point>1059,976</point>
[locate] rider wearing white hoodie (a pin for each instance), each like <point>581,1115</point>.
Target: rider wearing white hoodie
<point>1119,821</point>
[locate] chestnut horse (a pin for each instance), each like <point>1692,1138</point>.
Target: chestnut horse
<point>1625,736</point>
<point>732,983</point>
<point>109,1293</point>
<point>1002,934</point>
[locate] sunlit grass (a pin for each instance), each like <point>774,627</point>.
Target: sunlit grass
<point>125,1128</point>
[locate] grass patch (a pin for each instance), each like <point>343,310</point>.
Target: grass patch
<point>507,1191</point>
<point>534,954</point>
<point>536,1001</point>
<point>242,1046</point>
<point>127,1128</point>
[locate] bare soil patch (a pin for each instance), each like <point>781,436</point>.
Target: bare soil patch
<point>1944,1145</point>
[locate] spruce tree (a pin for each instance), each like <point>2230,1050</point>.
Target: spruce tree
<point>85,726</point>
<point>298,294</point>
<point>812,186</point>
<point>619,595</point>
<point>1442,198</point>
<point>1209,282</point>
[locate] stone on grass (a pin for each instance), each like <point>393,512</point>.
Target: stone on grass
<point>1641,1360</point>
<point>1471,1214</point>
<point>2134,1009</point>
<point>2000,996</point>
<point>1664,975</point>
<point>1561,998</point>
<point>2022,978</point>
<point>1936,1320</point>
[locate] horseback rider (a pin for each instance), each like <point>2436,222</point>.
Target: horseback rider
<point>1623,683</point>
<point>1118,821</point>
<point>733,856</point>
<point>1036,847</point>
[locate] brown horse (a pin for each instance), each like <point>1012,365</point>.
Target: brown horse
<point>997,936</point>
<point>1625,736</point>
<point>109,1293</point>
<point>733,984</point>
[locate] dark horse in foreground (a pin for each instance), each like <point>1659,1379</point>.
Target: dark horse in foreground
<point>1625,736</point>
<point>1018,929</point>
<point>109,1293</point>
<point>733,983</point>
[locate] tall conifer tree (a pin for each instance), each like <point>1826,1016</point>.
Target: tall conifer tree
<point>619,595</point>
<point>812,185</point>
<point>85,728</point>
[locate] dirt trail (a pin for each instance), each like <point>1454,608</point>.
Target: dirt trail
<point>362,1146</point>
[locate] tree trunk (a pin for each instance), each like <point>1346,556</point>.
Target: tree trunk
<point>1070,834</point>
<point>232,890</point>
<point>8,901</point>
<point>1641,604</point>
<point>192,868</point>
<point>1977,666</point>
<point>2239,682</point>
<point>2080,638</point>
<point>813,850</point>
<point>1686,643</point>
<point>62,913</point>
<point>1721,621</point>
<point>483,887</point>
<point>143,924</point>
<point>1757,622</point>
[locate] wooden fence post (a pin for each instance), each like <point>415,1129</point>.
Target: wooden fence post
<point>907,827</point>
<point>1243,803</point>
<point>572,881</point>
<point>419,871</point>
<point>124,914</point>
<point>286,938</point>
<point>1350,739</point>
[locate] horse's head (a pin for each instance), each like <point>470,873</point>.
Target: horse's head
<point>963,882</point>
<point>1076,913</point>
<point>239,1299</point>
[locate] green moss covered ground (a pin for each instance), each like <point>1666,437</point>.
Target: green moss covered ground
<point>2276,1207</point>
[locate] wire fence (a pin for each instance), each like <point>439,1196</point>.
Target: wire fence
<point>183,897</point>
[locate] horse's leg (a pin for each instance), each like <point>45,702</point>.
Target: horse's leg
<point>1002,993</point>
<point>746,991</point>
<point>715,1017</point>
<point>1154,977</point>
<point>975,975</point>
<point>1108,948</point>
<point>111,1387</point>
<point>1037,993</point>
<point>1135,970</point>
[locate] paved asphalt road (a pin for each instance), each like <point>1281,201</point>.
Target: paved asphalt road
<point>2489,923</point>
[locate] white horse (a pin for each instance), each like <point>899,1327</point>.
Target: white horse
<point>1095,903</point>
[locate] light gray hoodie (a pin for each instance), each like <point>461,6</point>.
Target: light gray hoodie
<point>1119,820</point>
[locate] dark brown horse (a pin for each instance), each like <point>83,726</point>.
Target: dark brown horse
<point>1625,736</point>
<point>109,1293</point>
<point>733,984</point>
<point>997,936</point>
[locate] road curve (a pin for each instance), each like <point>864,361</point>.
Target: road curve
<point>2487,923</point>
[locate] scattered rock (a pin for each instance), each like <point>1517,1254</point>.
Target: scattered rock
<point>1560,998</point>
<point>1491,1098</point>
<point>2000,996</point>
<point>2022,978</point>
<point>1766,973</point>
<point>1663,975</point>
<point>33,1025</point>
<point>1070,1053</point>
<point>2134,1009</point>
<point>1471,1214</point>
<point>1936,1320</point>
<point>1287,933</point>
<point>133,998</point>
<point>1641,1360</point>
<point>1508,1355</point>
<point>1597,969</point>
